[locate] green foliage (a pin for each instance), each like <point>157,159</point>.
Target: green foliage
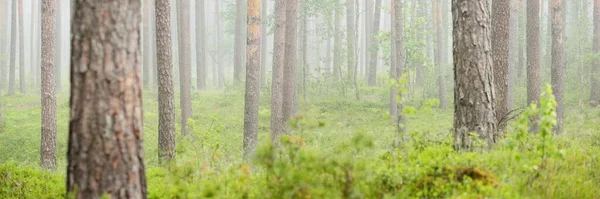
<point>23,182</point>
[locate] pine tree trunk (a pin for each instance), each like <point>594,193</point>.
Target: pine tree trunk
<point>351,54</point>
<point>533,52</point>
<point>252,79</point>
<point>200,45</point>
<point>263,44</point>
<point>374,48</point>
<point>185,75</point>
<point>558,69</point>
<point>48,146</point>
<point>13,50</point>
<point>367,20</point>
<point>437,11</point>
<point>513,57</point>
<point>33,49</point>
<point>500,36</point>
<point>289,71</point>
<point>277,82</point>
<point>166,91</point>
<point>105,152</point>
<point>400,58</point>
<point>595,72</point>
<point>58,40</point>
<point>240,18</point>
<point>22,86</point>
<point>474,90</point>
<point>146,51</point>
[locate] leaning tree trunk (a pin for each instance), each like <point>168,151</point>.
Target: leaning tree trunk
<point>289,71</point>
<point>166,91</point>
<point>22,86</point>
<point>558,69</point>
<point>105,152</point>
<point>48,146</point>
<point>252,79</point>
<point>185,76</point>
<point>500,28</point>
<point>277,122</point>
<point>474,90</point>
<point>200,46</point>
<point>594,77</point>
<point>13,50</point>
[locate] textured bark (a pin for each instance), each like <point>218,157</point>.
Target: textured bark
<point>374,48</point>
<point>277,121</point>
<point>289,71</point>
<point>437,11</point>
<point>474,90</point>
<point>13,50</point>
<point>533,52</point>
<point>558,69</point>
<point>166,91</point>
<point>200,46</point>
<point>500,28</point>
<point>185,75</point>
<point>252,79</point>
<point>595,72</point>
<point>22,86</point>
<point>400,58</point>
<point>48,141</point>
<point>105,153</point>
<point>263,44</point>
<point>238,54</point>
<point>351,53</point>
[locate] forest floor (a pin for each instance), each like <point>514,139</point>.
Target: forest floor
<point>338,149</point>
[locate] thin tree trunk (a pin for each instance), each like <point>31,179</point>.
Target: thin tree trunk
<point>337,41</point>
<point>32,45</point>
<point>105,152</point>
<point>500,41</point>
<point>533,52</point>
<point>474,90</point>
<point>58,40</point>
<point>437,10</point>
<point>374,48</point>
<point>595,72</point>
<point>13,50</point>
<point>558,69</point>
<point>513,57</point>
<point>219,65</point>
<point>350,39</point>
<point>393,105</point>
<point>166,91</point>
<point>22,85</point>
<point>146,52</point>
<point>400,58</point>
<point>184,63</point>
<point>263,44</point>
<point>277,82</point>
<point>252,79</point>
<point>367,20</point>
<point>48,145</point>
<point>289,71</point>
<point>240,18</point>
<point>200,46</point>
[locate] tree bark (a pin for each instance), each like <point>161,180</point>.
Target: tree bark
<point>595,72</point>
<point>277,82</point>
<point>13,50</point>
<point>105,153</point>
<point>185,75</point>
<point>252,79</point>
<point>166,91</point>
<point>400,58</point>
<point>289,71</point>
<point>437,10</point>
<point>474,90</point>
<point>200,45</point>
<point>374,47</point>
<point>58,40</point>
<point>48,145</point>
<point>500,36</point>
<point>558,69</point>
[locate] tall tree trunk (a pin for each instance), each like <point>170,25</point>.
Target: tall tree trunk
<point>302,42</point>
<point>522,40</point>
<point>289,71</point>
<point>58,40</point>
<point>350,39</point>
<point>238,59</point>
<point>153,58</point>
<point>474,90</point>
<point>374,48</point>
<point>146,52</point>
<point>32,45</point>
<point>200,46</point>
<point>166,91</point>
<point>219,65</point>
<point>393,105</point>
<point>533,52</point>
<point>367,20</point>
<point>337,41</point>
<point>277,82</point>
<point>22,86</point>
<point>400,58</point>
<point>263,44</point>
<point>13,50</point>
<point>48,145</point>
<point>595,74</point>
<point>500,36</point>
<point>558,69</point>
<point>252,79</point>
<point>105,153</point>
<point>437,11</point>
<point>185,75</point>
<point>513,57</point>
